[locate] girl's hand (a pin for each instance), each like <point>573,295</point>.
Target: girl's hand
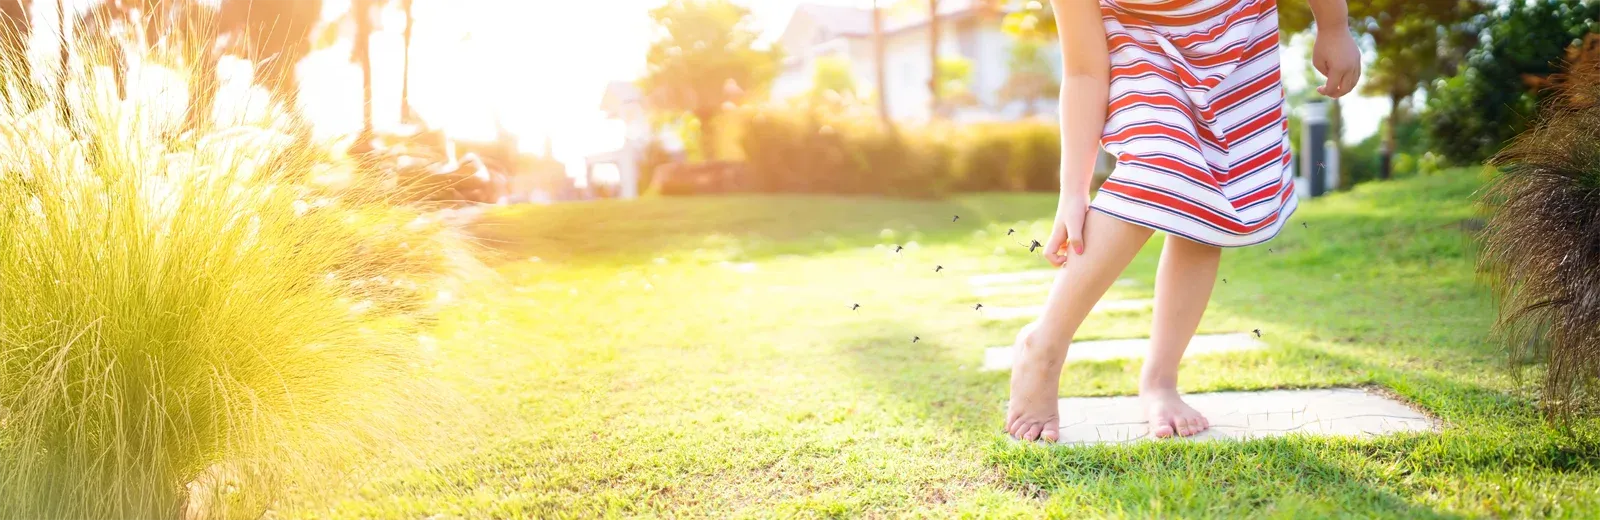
<point>1336,56</point>
<point>1067,233</point>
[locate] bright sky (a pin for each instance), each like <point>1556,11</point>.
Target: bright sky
<point>541,66</point>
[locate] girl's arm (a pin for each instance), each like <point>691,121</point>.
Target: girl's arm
<point>1335,54</point>
<point>1085,85</point>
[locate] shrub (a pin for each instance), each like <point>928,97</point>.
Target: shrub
<point>1487,102</point>
<point>817,152</point>
<point>195,320</point>
<point>1542,245</point>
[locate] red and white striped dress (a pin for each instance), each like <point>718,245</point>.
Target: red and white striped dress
<point>1196,120</point>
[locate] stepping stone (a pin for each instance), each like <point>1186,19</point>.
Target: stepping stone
<point>1033,311</point>
<point>1345,412</point>
<point>1001,358</point>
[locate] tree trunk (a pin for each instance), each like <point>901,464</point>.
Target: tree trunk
<point>64,107</point>
<point>363,53</point>
<point>1386,154</point>
<point>933,59</point>
<point>880,65</point>
<point>405,67</point>
<point>708,135</point>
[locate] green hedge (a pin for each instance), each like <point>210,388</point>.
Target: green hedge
<point>811,152</point>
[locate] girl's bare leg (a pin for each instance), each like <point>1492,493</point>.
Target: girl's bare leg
<point>1183,287</point>
<point>1109,244</point>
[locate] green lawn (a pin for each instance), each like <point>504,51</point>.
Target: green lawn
<point>699,357</point>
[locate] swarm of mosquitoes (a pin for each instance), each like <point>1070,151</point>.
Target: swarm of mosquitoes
<point>1032,246</point>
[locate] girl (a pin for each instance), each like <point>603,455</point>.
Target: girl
<point>1187,95</point>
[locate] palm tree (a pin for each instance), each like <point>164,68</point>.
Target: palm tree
<point>933,59</point>
<point>361,53</point>
<point>405,66</point>
<point>880,65</point>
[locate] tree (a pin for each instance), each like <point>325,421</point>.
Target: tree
<point>880,66</point>
<point>1036,20</point>
<point>1471,115</point>
<point>704,59</point>
<point>955,82</point>
<point>1031,79</point>
<point>361,53</point>
<point>405,67</point>
<point>832,77</point>
<point>934,81</point>
<point>1414,41</point>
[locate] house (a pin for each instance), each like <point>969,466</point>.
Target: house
<point>617,172</point>
<point>966,30</point>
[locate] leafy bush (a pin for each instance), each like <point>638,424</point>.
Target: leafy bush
<point>1487,102</point>
<point>810,151</point>
<point>195,320</point>
<point>1542,245</point>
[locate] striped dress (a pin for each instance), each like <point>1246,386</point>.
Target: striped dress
<point>1196,121</point>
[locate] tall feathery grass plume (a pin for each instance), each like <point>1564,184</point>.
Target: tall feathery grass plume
<point>1541,247</point>
<point>198,315</point>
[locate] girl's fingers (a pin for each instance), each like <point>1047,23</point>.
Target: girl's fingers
<point>1052,247</point>
<point>1351,78</point>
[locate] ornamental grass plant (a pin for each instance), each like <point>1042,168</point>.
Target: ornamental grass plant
<point>198,316</point>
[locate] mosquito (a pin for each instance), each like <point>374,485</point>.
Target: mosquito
<point>1010,231</point>
<point>938,268</point>
<point>1034,246</point>
<point>1258,333</point>
<point>915,339</point>
<point>856,306</point>
<point>955,218</point>
<point>978,307</point>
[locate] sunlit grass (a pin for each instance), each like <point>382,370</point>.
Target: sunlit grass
<point>194,321</point>
<point>699,357</point>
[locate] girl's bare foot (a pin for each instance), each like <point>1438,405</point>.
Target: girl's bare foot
<point>1169,415</point>
<point>1035,388</point>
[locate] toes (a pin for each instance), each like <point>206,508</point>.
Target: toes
<point>1184,430</point>
<point>1052,432</point>
<point>1014,423</point>
<point>1205,424</point>
<point>1161,430</point>
<point>1033,432</point>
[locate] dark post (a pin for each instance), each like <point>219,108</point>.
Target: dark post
<point>1313,150</point>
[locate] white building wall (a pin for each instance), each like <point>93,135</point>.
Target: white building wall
<point>982,43</point>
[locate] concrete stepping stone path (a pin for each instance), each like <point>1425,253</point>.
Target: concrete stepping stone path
<point>1349,412</point>
<point>1001,358</point>
<point>1033,311</point>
